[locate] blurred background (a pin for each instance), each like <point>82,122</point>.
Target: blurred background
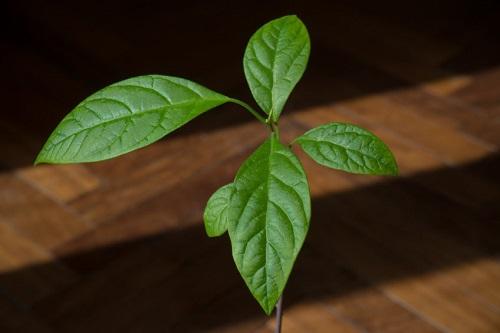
<point>119,246</point>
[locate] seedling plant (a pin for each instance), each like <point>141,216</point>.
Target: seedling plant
<point>266,210</point>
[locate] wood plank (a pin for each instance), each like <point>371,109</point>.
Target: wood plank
<point>418,253</point>
<point>459,183</point>
<point>27,273</point>
<point>448,112</point>
<point>170,286</point>
<point>114,258</point>
<point>448,85</point>
<point>176,208</point>
<point>312,317</point>
<point>436,299</point>
<point>404,117</point>
<point>473,197</point>
<point>480,91</point>
<point>320,278</point>
<point>168,164</point>
<point>62,183</point>
<point>451,228</point>
<point>381,259</point>
<point>401,242</point>
<point>376,313</point>
<point>37,217</point>
<point>410,155</point>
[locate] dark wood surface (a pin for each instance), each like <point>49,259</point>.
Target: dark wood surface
<point>119,246</point>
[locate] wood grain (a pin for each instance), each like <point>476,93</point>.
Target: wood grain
<point>120,246</point>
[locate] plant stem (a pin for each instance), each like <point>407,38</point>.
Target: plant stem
<point>249,109</point>
<point>274,128</point>
<point>279,315</point>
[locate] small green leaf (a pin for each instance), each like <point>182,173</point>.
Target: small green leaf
<point>275,59</point>
<point>216,211</point>
<point>126,116</point>
<point>349,148</point>
<point>269,218</point>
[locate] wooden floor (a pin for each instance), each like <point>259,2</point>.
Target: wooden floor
<point>119,246</point>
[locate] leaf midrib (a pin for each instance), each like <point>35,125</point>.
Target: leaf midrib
<point>129,116</point>
<point>273,72</point>
<point>268,180</point>
<point>335,144</point>
<point>279,49</point>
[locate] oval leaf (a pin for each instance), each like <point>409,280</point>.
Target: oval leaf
<point>269,218</point>
<point>275,59</point>
<point>216,211</point>
<point>126,116</point>
<point>349,148</point>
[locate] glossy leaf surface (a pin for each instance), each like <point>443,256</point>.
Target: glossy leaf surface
<point>126,116</point>
<point>349,148</point>
<point>216,211</point>
<point>275,59</point>
<point>269,219</point>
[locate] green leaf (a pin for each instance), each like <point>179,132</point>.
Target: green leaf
<point>216,211</point>
<point>349,148</point>
<point>274,61</point>
<point>126,116</point>
<point>269,218</point>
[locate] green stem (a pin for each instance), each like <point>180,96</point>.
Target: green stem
<point>273,125</point>
<point>249,109</point>
<point>274,128</point>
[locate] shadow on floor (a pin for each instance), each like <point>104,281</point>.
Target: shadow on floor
<point>181,281</point>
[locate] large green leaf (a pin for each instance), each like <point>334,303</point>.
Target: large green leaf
<point>216,211</point>
<point>269,218</point>
<point>275,59</point>
<point>126,116</point>
<point>349,148</point>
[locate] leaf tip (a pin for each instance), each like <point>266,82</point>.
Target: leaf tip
<point>39,159</point>
<point>268,310</point>
<point>393,168</point>
<point>266,305</point>
<point>291,16</point>
<point>212,234</point>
